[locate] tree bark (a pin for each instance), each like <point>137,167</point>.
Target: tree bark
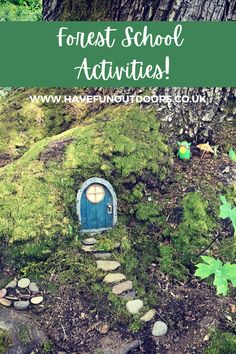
<point>184,120</point>
<point>140,10</point>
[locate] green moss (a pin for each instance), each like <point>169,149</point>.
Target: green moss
<point>22,122</point>
<point>195,229</point>
<point>24,335</point>
<point>48,346</point>
<point>169,263</point>
<point>5,341</point>
<point>222,343</point>
<point>149,212</point>
<point>38,192</point>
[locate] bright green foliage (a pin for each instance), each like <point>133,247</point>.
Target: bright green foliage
<point>20,10</point>
<point>222,343</point>
<point>222,273</point>
<point>194,231</point>
<point>232,155</point>
<point>227,211</point>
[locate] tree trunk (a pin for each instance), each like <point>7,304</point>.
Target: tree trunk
<point>140,10</point>
<point>197,121</point>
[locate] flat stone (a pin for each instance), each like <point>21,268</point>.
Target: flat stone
<point>11,285</point>
<point>148,316</point>
<point>23,283</point>
<point>36,300</point>
<point>130,295</point>
<point>159,329</point>
<point>102,255</point>
<point>33,287</point>
<point>3,293</point>
<point>5,302</point>
<point>114,278</point>
<point>87,248</point>
<point>134,306</point>
<point>89,241</point>
<point>21,305</point>
<point>107,266</point>
<point>122,287</point>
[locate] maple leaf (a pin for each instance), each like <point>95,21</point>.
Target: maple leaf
<point>227,211</point>
<point>222,273</point>
<point>232,155</point>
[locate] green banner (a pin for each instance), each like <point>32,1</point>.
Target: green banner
<point>118,54</point>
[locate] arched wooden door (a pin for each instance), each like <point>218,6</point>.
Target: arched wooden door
<point>96,205</point>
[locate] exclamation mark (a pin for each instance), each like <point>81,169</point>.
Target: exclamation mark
<point>167,67</point>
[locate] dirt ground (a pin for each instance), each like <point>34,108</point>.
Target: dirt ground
<point>72,320</point>
<point>191,310</point>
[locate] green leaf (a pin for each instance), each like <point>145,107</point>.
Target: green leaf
<point>220,283</point>
<point>223,273</point>
<point>232,155</point>
<point>203,270</point>
<point>230,272</point>
<point>227,211</point>
<point>215,263</point>
<point>225,208</point>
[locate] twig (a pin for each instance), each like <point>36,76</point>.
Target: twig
<point>65,336</point>
<point>214,239</point>
<point>206,248</point>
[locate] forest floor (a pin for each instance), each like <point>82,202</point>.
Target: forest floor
<point>72,319</point>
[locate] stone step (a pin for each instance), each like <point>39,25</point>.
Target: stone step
<point>122,287</point>
<point>134,306</point>
<point>148,316</point>
<point>107,266</point>
<point>89,241</point>
<point>114,278</point>
<point>129,296</point>
<point>102,255</point>
<point>86,248</point>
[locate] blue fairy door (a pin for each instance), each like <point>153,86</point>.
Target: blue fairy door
<point>97,207</point>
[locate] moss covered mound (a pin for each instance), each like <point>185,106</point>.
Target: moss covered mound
<point>38,191</point>
<point>24,121</point>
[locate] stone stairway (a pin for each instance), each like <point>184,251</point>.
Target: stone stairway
<point>120,286</point>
